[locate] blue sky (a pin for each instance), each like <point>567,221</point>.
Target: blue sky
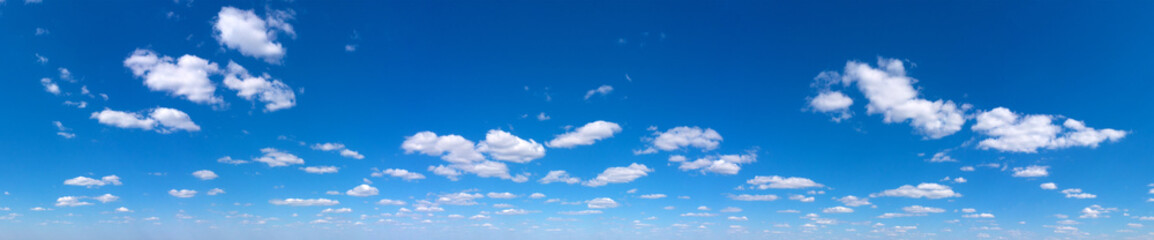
<point>576,120</point>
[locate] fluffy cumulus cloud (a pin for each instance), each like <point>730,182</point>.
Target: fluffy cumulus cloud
<point>320,169</point>
<point>71,201</point>
<point>277,158</point>
<point>182,193</point>
<point>163,120</point>
<point>1031,171</point>
<point>833,102</point>
<point>252,35</point>
<point>186,77</point>
<point>585,135</point>
<point>719,164</point>
<point>465,156</point>
<point>338,147</point>
<point>204,175</point>
<point>837,209</point>
<point>363,190</point>
<point>298,202</point>
<point>93,183</point>
<point>892,94</point>
<point>400,173</point>
<point>778,182</point>
<point>601,203</point>
<point>1011,132</point>
<point>275,95</point>
<point>683,137</point>
<point>854,201</point>
<point>1049,186</point>
<point>460,198</point>
<point>49,86</point>
<point>558,176</point>
<point>502,195</point>
<point>619,175</point>
<point>502,145</point>
<point>1077,193</point>
<point>923,190</point>
<point>751,197</point>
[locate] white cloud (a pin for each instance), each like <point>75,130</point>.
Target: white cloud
<point>215,191</point>
<point>297,202</point>
<point>163,120</point>
<point>542,117</point>
<point>601,203</point>
<point>123,210</point>
<point>922,209</point>
<point>778,182</point>
<point>276,158</point>
<point>1049,186</point>
<point>461,198</point>
<point>246,32</point>
<point>460,152</point>
<point>585,135</point>
<point>748,197</point>
<point>186,77</point>
<point>204,174</point>
<point>1096,211</point>
<point>619,175</point>
<point>502,145</point>
<point>503,195</point>
<point>70,201</point>
<point>680,137</point>
<point>512,212</point>
<point>351,154</point>
<point>1010,132</point>
<point>390,202</point>
<point>276,95</point>
<point>979,215</point>
<point>50,86</point>
<point>891,93</point>
<point>582,212</point>
<point>558,176</point>
<point>1077,193</point>
<point>838,209</point>
<point>926,190</point>
<point>448,172</point>
<point>652,196</point>
<point>833,102</point>
<point>229,160</point>
<point>337,210</point>
<point>93,183</point>
<point>400,173</point>
<point>801,198</point>
<point>1031,171</point>
<point>320,169</point>
<point>720,164</point>
<point>602,90</point>
<point>183,193</point>
<point>363,190</point>
<point>942,157</point>
<point>106,198</point>
<point>537,195</point>
<point>854,201</point>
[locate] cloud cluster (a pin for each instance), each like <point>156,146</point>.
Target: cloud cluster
<point>163,120</point>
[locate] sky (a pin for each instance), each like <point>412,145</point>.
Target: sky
<point>576,120</point>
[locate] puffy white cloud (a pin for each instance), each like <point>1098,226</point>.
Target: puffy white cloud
<point>390,202</point>
<point>1010,132</point>
<point>215,191</point>
<point>585,135</point>
<point>582,212</point>
<point>602,203</point>
<point>253,36</point>
<point>320,169</point>
<point>926,190</point>
<point>71,201</point>
<point>502,145</point>
<point>204,174</point>
<point>351,154</point>
<point>979,215</point>
<point>1077,193</point>
<point>186,77</point>
<point>298,202</point>
<point>801,198</point>
<point>460,198</point>
<point>680,137</point>
<point>50,86</point>
<point>942,157</point>
<point>778,182</point>
<point>448,172</point>
<point>276,95</point>
<point>619,175</point>
<point>460,152</point>
<point>93,183</point>
<point>106,198</point>
<point>558,176</point>
<point>183,193</point>
<point>328,146</point>
<point>504,195</point>
<point>1031,171</point>
<point>512,212</point>
<point>653,196</point>
<point>749,197</point>
<point>602,90</point>
<point>229,160</point>
<point>337,210</point>
<point>1096,211</point>
<point>892,94</point>
<point>363,190</point>
<point>922,209</point>
<point>276,158</point>
<point>854,201</point>
<point>720,164</point>
<point>163,120</point>
<point>838,209</point>
<point>1049,186</point>
<point>123,210</point>
<point>400,173</point>
<point>833,102</point>
<point>537,195</point>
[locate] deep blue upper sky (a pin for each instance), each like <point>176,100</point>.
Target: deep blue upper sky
<point>730,87</point>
